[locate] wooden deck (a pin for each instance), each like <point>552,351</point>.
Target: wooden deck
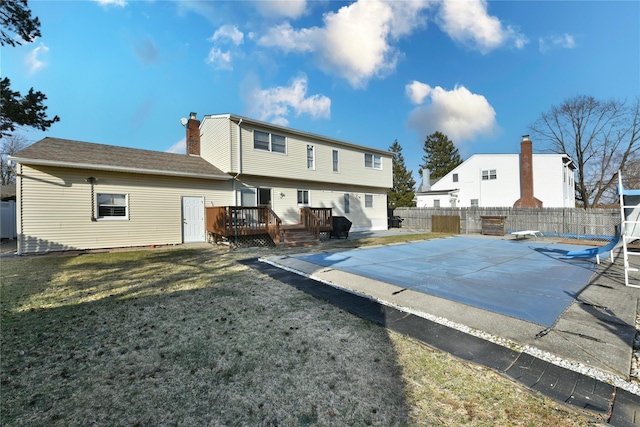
<point>243,221</point>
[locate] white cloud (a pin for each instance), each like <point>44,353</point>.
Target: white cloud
<point>282,8</point>
<point>458,113</point>
<point>356,41</point>
<point>219,59</point>
<point>468,22</point>
<point>565,41</point>
<point>179,147</point>
<point>274,104</point>
<point>417,91</point>
<point>119,3</point>
<point>285,37</point>
<point>33,59</point>
<point>230,32</point>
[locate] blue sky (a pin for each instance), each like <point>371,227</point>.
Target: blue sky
<point>124,72</point>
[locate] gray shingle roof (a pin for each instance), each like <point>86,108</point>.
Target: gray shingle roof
<point>87,155</point>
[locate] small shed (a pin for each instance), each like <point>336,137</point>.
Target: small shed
<point>493,225</point>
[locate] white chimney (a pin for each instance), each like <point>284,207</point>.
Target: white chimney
<point>426,181</point>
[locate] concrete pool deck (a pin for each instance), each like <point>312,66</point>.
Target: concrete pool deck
<point>592,337</point>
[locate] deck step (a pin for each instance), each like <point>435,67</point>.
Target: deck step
<point>297,235</point>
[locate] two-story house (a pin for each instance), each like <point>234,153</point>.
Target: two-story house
<point>504,180</point>
<point>74,195</point>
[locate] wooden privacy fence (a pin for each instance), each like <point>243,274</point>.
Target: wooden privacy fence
<point>445,224</point>
<point>587,224</point>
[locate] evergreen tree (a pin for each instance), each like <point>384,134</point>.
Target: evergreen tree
<point>441,156</point>
<point>402,193</point>
<point>18,26</point>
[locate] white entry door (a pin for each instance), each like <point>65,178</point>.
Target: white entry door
<point>192,219</point>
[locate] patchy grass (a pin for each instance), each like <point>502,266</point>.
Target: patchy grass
<point>190,337</point>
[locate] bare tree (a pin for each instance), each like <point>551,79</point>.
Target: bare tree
<point>631,172</point>
<point>10,146</point>
<point>600,136</point>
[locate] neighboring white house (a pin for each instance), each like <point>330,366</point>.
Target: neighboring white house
<point>494,180</point>
<point>79,195</point>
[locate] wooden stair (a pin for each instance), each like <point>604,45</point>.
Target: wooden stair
<point>297,235</point>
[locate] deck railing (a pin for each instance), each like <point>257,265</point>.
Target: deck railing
<point>231,221</point>
<point>236,221</point>
<point>274,228</point>
<point>310,221</point>
<point>325,216</point>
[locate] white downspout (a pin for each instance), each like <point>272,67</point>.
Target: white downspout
<point>239,172</point>
<point>19,235</point>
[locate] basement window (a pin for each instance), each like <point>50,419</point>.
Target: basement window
<point>113,206</point>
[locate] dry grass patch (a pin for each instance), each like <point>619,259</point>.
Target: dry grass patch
<point>185,337</point>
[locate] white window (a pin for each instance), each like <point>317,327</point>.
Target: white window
<point>474,203</point>
<point>373,161</point>
<point>436,203</point>
<point>489,174</point>
<point>336,164</point>
<point>303,197</point>
<point>113,206</point>
<point>311,157</point>
<point>455,177</point>
<point>278,144</point>
<point>368,200</point>
<point>269,142</point>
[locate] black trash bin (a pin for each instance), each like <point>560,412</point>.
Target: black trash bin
<point>341,227</point>
<point>394,222</point>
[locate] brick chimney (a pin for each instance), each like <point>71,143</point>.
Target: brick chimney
<point>193,135</point>
<point>526,200</point>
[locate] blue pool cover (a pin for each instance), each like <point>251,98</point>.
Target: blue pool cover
<point>531,281</point>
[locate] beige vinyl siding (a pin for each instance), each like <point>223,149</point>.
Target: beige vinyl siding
<point>216,143</point>
<point>55,208</point>
<point>284,200</point>
<point>293,164</point>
